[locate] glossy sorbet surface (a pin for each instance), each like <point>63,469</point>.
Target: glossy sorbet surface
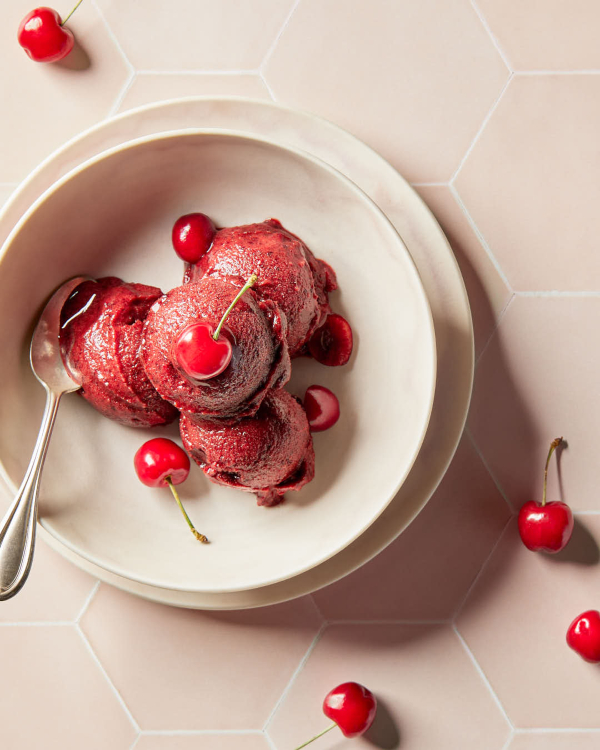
<point>288,273</point>
<point>256,330</point>
<point>268,454</point>
<point>100,339</point>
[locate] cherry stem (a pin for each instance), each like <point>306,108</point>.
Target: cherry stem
<point>200,537</point>
<point>316,737</point>
<point>553,446</point>
<point>251,282</point>
<point>62,23</point>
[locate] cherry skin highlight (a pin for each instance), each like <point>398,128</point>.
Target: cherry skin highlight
<point>158,459</point>
<point>331,344</point>
<point>322,408</point>
<point>43,37</point>
<point>352,707</point>
<point>192,236</point>
<point>583,636</point>
<point>199,354</point>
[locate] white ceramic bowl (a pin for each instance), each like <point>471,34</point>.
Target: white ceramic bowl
<point>113,216</point>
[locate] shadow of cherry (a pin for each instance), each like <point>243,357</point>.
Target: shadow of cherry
<point>384,732</point>
<point>78,59</point>
<point>582,548</point>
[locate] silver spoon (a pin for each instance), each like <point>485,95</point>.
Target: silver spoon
<point>17,530</point>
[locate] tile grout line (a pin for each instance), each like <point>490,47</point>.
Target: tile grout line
<point>484,565</point>
<point>491,35</point>
<point>297,671</point>
<point>109,682</point>
<point>268,87</point>
<point>477,136</point>
<point>469,434</point>
<point>269,741</point>
<point>135,742</point>
<point>318,609</point>
<point>275,41</point>
<point>88,601</point>
<point>480,236</point>
<point>484,679</point>
<point>495,328</point>
<point>113,37</point>
<point>509,740</point>
<point>121,95</point>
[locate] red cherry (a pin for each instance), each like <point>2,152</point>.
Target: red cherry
<point>352,707</point>
<point>158,459</point>
<point>546,526</point>
<point>583,635</point>
<point>43,37</point>
<point>199,355</point>
<point>331,344</point>
<point>162,463</point>
<point>192,236</point>
<point>322,408</point>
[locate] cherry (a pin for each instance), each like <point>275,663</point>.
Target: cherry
<point>162,463</point>
<point>192,236</point>
<point>583,635</point>
<point>331,344</point>
<point>43,35</point>
<point>322,408</point>
<point>546,526</point>
<point>200,352</point>
<point>352,707</point>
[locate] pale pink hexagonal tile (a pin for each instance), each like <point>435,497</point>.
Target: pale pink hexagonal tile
<point>538,380</point>
<point>196,34</point>
<point>173,666</point>
<point>50,103</point>
<point>429,693</point>
<point>548,35</point>
<point>515,621</point>
<point>414,80</point>
<point>54,696</point>
<point>426,573</point>
<point>55,591</point>
<point>544,740</point>
<point>204,741</point>
<point>488,293</point>
<point>531,183</point>
<point>153,87</point>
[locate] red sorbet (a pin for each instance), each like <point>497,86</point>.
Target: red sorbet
<point>268,454</point>
<point>101,333</point>
<point>256,330</point>
<point>288,273</point>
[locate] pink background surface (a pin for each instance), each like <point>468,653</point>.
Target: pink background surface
<point>492,110</point>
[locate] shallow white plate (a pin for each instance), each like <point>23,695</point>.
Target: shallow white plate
<point>113,216</point>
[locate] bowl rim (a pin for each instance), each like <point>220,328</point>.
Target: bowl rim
<point>321,164</point>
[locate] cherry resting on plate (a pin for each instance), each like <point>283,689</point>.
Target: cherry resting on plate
<point>200,352</point>
<point>352,707</point>
<point>43,35</point>
<point>546,526</point>
<point>162,463</point>
<point>331,344</point>
<point>583,636</point>
<point>192,236</point>
<point>322,408</point>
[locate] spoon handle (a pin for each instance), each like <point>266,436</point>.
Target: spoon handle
<point>17,530</point>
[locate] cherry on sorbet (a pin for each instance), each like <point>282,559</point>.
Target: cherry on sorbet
<point>200,351</point>
<point>162,463</point>
<point>546,526</point>
<point>192,236</point>
<point>331,344</point>
<point>43,35</point>
<point>583,635</point>
<point>352,707</point>
<point>322,408</point>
